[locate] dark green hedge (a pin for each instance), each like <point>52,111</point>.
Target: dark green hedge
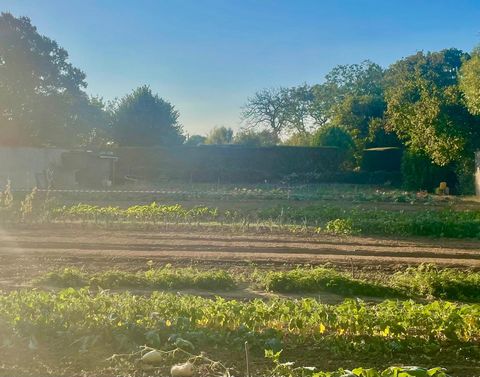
<point>227,163</point>
<point>419,173</point>
<point>382,159</point>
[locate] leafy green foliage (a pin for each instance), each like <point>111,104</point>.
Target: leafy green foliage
<point>124,321</point>
<point>340,226</point>
<point>323,279</point>
<point>470,82</point>
<point>431,281</point>
<point>420,173</point>
<point>42,98</point>
<point>144,119</point>
<point>437,223</point>
<point>288,369</point>
<point>425,107</point>
<point>76,324</point>
<point>166,277</point>
<point>141,213</point>
<point>338,220</point>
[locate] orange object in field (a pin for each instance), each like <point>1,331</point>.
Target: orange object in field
<point>443,185</point>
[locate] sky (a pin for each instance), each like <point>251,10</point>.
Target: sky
<point>208,56</point>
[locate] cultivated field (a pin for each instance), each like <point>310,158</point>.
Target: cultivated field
<point>332,276</point>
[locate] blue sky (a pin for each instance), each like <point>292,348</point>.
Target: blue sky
<point>208,56</point>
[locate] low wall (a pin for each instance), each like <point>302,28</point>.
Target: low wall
<point>28,167</point>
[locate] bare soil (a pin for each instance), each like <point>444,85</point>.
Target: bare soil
<point>28,252</point>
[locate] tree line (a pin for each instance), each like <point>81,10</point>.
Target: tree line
<point>43,100</point>
<point>427,103</point>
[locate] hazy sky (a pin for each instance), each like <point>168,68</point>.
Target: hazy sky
<point>208,56</point>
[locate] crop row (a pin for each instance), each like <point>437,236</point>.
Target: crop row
<point>425,281</point>
<point>75,320</point>
<point>318,218</point>
<point>160,278</point>
<point>444,223</point>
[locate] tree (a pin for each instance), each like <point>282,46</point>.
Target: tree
<point>425,107</point>
<point>268,108</point>
<point>336,136</point>
<point>343,83</point>
<point>333,136</point>
<point>220,135</point>
<point>143,119</point>
<point>352,97</point>
<point>42,98</point>
<point>299,139</point>
<point>252,138</point>
<point>195,140</point>
<point>470,82</point>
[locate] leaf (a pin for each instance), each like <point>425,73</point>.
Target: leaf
<point>183,343</point>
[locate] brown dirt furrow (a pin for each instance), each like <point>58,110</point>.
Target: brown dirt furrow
<point>25,253</point>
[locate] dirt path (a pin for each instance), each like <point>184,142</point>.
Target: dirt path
<point>26,253</point>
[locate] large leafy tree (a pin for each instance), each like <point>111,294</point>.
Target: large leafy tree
<point>425,106</point>
<point>470,82</point>
<point>352,97</point>
<point>42,98</point>
<point>143,119</point>
<point>344,82</point>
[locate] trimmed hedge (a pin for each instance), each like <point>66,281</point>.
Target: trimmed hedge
<point>382,159</point>
<point>226,163</point>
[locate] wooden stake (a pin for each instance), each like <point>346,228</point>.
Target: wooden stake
<point>247,360</point>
